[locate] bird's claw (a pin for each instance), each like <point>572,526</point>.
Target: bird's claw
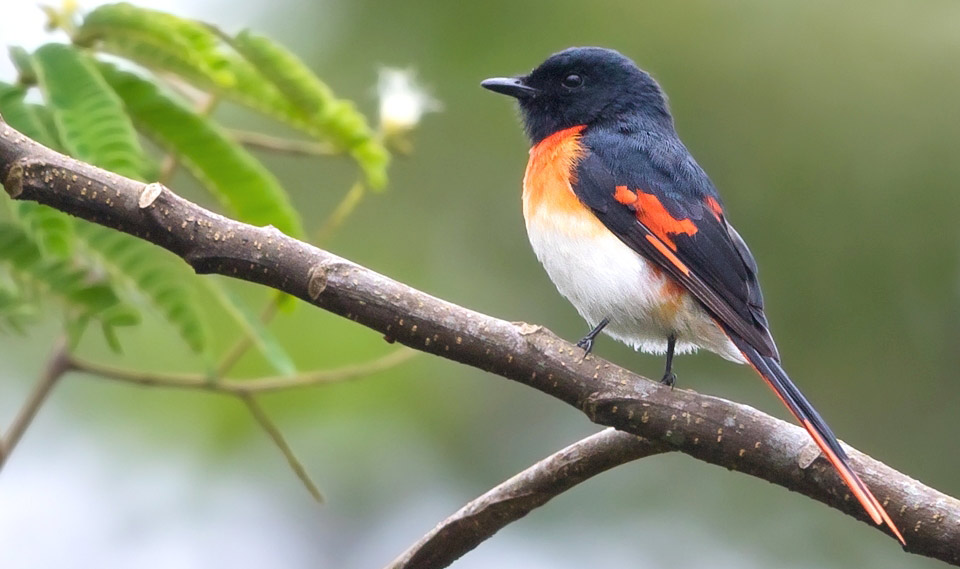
<point>669,379</point>
<point>587,345</point>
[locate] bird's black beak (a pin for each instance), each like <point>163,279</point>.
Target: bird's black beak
<point>513,86</point>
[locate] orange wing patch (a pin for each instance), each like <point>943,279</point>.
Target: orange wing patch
<point>625,196</point>
<point>656,218</point>
<point>714,206</point>
<point>668,254</point>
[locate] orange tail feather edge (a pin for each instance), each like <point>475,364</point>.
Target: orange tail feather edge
<point>769,369</point>
<point>856,485</point>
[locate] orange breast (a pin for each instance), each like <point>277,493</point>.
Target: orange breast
<point>548,197</point>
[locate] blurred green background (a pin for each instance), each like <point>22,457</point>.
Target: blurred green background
<point>831,131</point>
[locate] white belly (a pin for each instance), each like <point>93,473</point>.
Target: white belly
<point>603,278</point>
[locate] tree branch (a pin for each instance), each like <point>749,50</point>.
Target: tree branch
<point>57,364</point>
<point>482,518</point>
<point>241,387</point>
<point>721,432</point>
<point>278,439</point>
<point>283,145</point>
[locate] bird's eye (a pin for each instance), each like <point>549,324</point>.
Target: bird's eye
<point>572,81</point>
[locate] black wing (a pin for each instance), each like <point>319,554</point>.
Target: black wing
<point>647,189</point>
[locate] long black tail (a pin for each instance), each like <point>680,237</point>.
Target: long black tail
<point>771,372</point>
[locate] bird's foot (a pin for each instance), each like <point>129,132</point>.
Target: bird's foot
<point>669,379</point>
<point>587,344</point>
<point>587,341</point>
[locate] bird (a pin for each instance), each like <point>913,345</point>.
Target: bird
<point>633,233</point>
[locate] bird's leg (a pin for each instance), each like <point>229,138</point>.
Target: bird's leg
<point>670,378</point>
<point>587,341</point>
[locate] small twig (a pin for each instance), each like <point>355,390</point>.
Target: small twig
<point>246,389</point>
<point>307,379</point>
<point>343,210</point>
<point>285,145</point>
<point>274,433</point>
<point>485,516</point>
<point>57,365</point>
<point>240,386</point>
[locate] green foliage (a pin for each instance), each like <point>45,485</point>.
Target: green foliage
<point>157,39</point>
<point>236,178</point>
<point>133,266</point>
<point>90,118</point>
<point>154,44</point>
<point>262,76</point>
<point>336,119</point>
<point>124,120</point>
<point>49,228</point>
<point>96,112</point>
<point>15,311</point>
<point>94,126</point>
<point>44,117</point>
<point>287,72</point>
<point>23,116</point>
<point>147,271</point>
<point>85,296</point>
<point>23,63</point>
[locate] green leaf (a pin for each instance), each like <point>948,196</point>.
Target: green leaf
<point>114,318</point>
<point>331,118</point>
<point>89,116</point>
<point>190,49</point>
<point>74,327</point>
<point>290,75</point>
<point>169,42</point>
<point>23,116</point>
<point>44,117</point>
<point>24,64</point>
<point>276,83</point>
<point>51,229</point>
<point>266,342</point>
<point>86,295</point>
<point>151,273</point>
<point>15,310</point>
<point>237,179</point>
<point>374,158</point>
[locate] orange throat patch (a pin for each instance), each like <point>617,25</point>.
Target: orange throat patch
<point>548,181</point>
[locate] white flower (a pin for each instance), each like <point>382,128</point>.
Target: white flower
<point>403,102</point>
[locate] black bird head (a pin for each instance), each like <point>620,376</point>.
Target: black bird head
<point>585,85</point>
